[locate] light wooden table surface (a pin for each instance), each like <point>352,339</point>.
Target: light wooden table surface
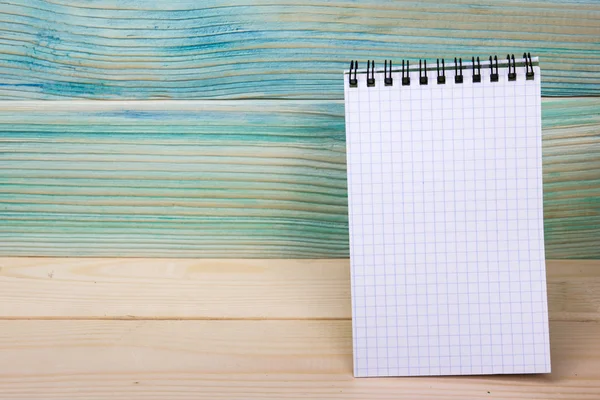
<point>241,329</point>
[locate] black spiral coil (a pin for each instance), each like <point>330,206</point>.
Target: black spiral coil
<point>440,69</point>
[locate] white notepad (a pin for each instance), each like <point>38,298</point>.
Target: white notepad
<point>446,224</point>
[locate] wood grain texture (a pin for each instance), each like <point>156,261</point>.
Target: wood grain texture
<point>221,179</point>
<point>225,289</point>
<point>229,179</point>
<point>186,49</point>
<point>274,360</point>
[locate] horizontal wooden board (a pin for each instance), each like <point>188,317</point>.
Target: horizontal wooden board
<point>252,360</point>
<point>221,179</point>
<point>225,289</point>
<point>187,49</point>
<point>229,179</point>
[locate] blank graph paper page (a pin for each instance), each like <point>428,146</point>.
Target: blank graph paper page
<point>446,222</point>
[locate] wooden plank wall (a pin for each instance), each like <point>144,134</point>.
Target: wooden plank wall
<point>248,49</point>
<point>250,162</point>
<point>234,178</point>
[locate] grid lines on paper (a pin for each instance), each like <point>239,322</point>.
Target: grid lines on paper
<point>446,231</point>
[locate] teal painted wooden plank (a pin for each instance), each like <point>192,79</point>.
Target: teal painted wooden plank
<point>184,49</point>
<point>230,178</point>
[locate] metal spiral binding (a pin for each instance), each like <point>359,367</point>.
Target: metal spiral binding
<point>371,73</point>
<point>512,76</point>
<point>529,75</point>
<point>441,71</point>
<point>441,79</point>
<point>458,78</point>
<point>494,75</point>
<point>405,79</point>
<point>353,82</point>
<point>423,77</point>
<point>476,76</point>
<point>387,77</point>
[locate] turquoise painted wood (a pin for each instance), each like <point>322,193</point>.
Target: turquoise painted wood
<point>258,178</point>
<point>250,49</point>
<point>230,178</point>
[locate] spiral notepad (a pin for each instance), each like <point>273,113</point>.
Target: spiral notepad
<point>446,219</point>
